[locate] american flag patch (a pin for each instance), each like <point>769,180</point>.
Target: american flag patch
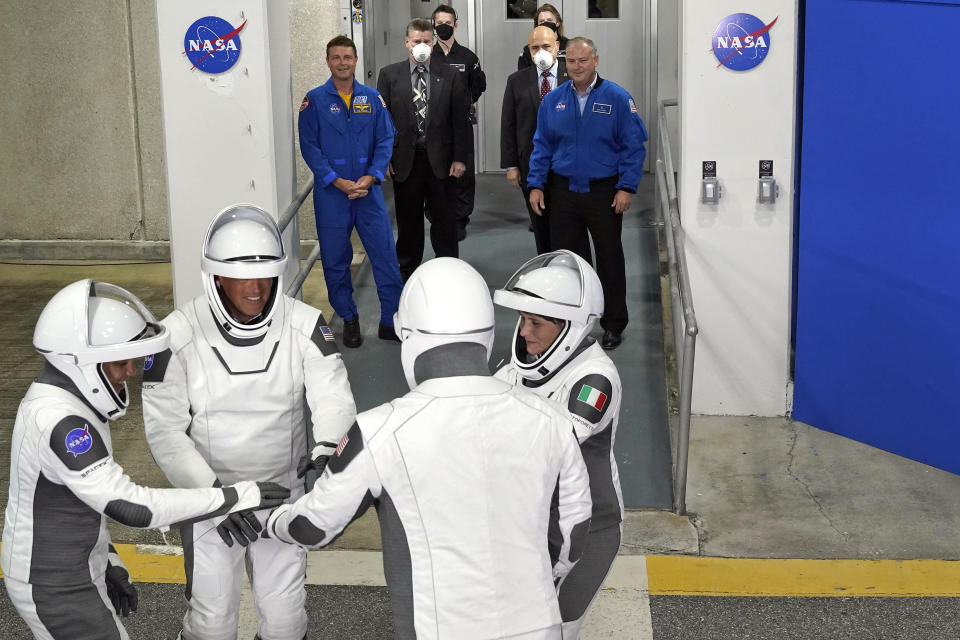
<point>327,333</point>
<point>633,107</point>
<point>383,102</point>
<point>343,443</point>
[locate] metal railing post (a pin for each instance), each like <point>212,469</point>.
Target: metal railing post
<point>684,318</point>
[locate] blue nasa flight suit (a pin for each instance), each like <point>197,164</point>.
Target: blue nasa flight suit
<point>591,157</point>
<point>341,142</point>
<point>607,140</point>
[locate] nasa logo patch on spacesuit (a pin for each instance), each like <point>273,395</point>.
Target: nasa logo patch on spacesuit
<point>76,443</point>
<point>148,362</point>
<point>79,441</point>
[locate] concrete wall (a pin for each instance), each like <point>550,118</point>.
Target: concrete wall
<point>82,157</point>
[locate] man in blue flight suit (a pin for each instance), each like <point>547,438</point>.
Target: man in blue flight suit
<point>588,153</point>
<point>346,138</point>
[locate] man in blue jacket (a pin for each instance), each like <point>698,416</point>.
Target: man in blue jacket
<point>588,153</point>
<point>346,138</point>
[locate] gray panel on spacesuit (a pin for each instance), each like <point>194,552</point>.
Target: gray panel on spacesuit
<point>60,515</point>
<point>75,612</point>
<point>397,567</point>
<point>129,513</point>
<point>305,532</point>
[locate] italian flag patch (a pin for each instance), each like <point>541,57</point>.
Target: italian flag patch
<point>593,397</point>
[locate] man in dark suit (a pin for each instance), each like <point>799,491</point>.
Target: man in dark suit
<point>518,120</point>
<point>430,106</point>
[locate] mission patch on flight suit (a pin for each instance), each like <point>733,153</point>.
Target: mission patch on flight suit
<point>590,397</point>
<point>76,443</point>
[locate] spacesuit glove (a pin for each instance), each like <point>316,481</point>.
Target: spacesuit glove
<point>316,460</point>
<point>242,526</point>
<point>122,593</point>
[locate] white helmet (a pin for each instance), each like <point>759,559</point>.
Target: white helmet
<point>559,284</point>
<point>445,301</point>
<point>243,242</point>
<point>88,323</point>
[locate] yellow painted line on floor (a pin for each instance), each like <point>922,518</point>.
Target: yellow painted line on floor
<point>665,575</point>
<point>688,575</point>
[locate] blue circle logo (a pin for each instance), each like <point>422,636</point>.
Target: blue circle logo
<point>212,44</point>
<point>148,362</point>
<point>741,41</point>
<point>79,441</point>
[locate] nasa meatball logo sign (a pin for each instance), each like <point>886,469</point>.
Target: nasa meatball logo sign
<point>212,44</point>
<point>741,41</point>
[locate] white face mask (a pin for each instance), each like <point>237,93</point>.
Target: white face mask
<point>421,52</point>
<point>543,59</point>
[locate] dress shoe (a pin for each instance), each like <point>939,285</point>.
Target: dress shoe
<point>611,340</point>
<point>352,337</point>
<point>387,333</point>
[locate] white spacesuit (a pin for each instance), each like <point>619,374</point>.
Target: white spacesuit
<point>462,470</point>
<point>60,570</point>
<point>574,372</point>
<point>233,400</point>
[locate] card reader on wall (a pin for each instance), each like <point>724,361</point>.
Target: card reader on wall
<point>710,190</point>
<point>767,190</point>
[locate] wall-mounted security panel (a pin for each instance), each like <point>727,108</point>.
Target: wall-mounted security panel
<point>767,190</point>
<point>710,190</point>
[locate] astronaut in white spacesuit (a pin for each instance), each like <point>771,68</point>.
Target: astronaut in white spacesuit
<point>248,370</point>
<point>560,298</point>
<point>60,569</point>
<point>462,470</point>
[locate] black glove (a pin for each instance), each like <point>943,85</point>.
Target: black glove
<point>241,525</point>
<point>122,593</point>
<point>272,495</point>
<point>316,460</point>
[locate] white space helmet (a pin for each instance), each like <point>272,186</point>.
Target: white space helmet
<point>445,301</point>
<point>243,242</point>
<point>559,284</point>
<point>89,323</point>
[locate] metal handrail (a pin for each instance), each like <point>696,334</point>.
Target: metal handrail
<point>685,328</point>
<point>285,219</point>
<point>287,216</point>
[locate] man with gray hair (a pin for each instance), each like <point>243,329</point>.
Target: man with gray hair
<point>588,156</point>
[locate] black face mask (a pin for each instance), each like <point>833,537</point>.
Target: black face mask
<point>444,31</point>
<point>551,25</point>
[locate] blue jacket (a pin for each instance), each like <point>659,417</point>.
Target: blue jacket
<point>337,142</point>
<point>607,140</point>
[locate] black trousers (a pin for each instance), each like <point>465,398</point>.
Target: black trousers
<point>541,223</point>
<point>464,189</point>
<point>420,187</point>
<point>575,219</point>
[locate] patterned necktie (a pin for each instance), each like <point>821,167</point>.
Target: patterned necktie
<point>420,99</point>
<point>544,84</point>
